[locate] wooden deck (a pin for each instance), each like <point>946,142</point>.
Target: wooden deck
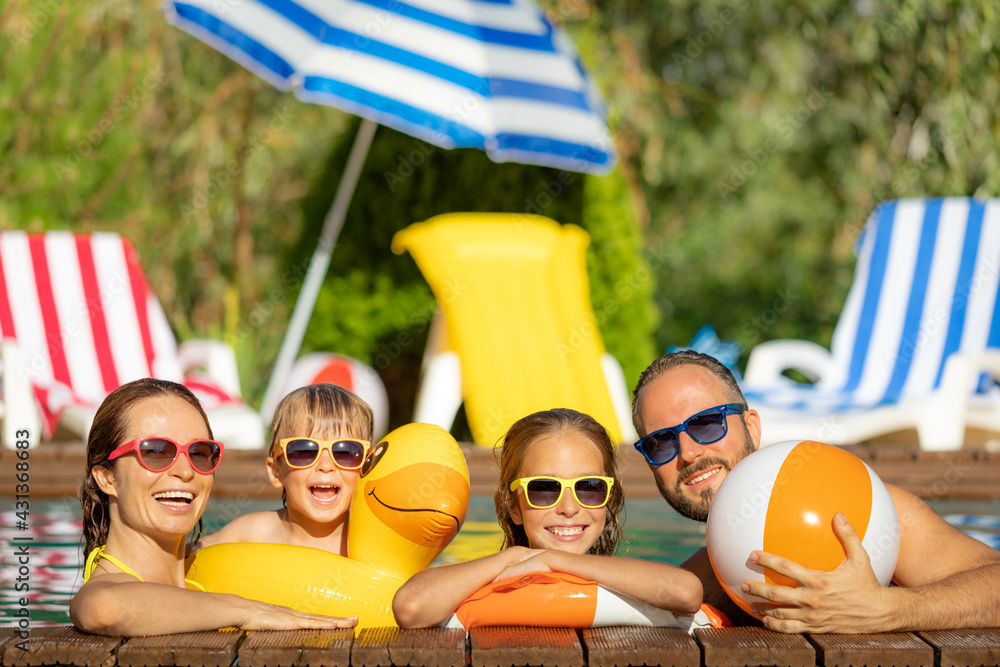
<point>501,647</point>
<point>970,474</point>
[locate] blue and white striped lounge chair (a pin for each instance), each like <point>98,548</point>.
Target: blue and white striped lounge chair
<point>918,342</point>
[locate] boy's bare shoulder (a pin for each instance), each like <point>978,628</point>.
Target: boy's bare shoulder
<point>253,527</point>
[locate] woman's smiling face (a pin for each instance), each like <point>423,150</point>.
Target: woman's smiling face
<point>167,503</point>
<point>566,526</point>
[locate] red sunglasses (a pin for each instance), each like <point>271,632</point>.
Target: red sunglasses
<point>158,454</point>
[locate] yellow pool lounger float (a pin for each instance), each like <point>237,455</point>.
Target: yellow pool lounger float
<point>520,330</point>
<point>410,502</point>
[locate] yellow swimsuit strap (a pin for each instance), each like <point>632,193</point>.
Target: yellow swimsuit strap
<point>194,586</point>
<point>98,553</point>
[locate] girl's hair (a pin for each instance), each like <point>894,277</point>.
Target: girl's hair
<point>521,436</point>
<point>108,432</point>
<point>327,408</point>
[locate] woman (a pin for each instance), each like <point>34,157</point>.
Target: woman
<point>150,465</point>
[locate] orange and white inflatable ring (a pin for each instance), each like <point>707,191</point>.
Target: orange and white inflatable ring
<point>560,600</point>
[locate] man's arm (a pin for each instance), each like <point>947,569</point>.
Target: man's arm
<point>945,579</point>
<point>954,579</point>
<point>714,594</point>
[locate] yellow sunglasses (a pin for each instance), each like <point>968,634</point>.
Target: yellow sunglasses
<point>347,453</point>
<point>543,492</point>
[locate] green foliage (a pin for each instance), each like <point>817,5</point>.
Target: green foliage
<point>111,119</point>
<point>621,282</point>
<point>755,139</point>
<point>763,133</point>
<point>376,306</point>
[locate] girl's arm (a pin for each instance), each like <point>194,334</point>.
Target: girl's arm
<point>658,584</point>
<point>118,605</point>
<point>432,595</point>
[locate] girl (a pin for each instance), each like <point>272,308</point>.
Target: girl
<point>150,465</point>
<point>320,436</point>
<point>558,503</point>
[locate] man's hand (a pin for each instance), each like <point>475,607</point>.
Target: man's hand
<point>849,599</point>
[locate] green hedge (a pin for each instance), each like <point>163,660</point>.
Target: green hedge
<point>763,133</point>
<point>376,305</point>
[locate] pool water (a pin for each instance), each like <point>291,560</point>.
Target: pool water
<point>654,531</point>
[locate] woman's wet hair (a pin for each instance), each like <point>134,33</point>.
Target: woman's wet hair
<point>327,409</point>
<point>109,431</point>
<point>527,431</point>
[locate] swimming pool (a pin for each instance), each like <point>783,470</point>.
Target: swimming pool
<point>654,530</point>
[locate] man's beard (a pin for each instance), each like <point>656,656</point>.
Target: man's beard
<point>698,510</point>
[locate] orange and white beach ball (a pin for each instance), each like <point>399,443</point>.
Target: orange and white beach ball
<point>346,372</point>
<point>782,499</point>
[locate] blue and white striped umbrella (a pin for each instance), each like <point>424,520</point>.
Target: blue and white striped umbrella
<point>490,74</point>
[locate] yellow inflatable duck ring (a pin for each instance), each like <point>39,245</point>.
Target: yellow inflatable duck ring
<point>410,502</point>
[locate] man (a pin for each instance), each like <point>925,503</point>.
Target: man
<point>944,578</point>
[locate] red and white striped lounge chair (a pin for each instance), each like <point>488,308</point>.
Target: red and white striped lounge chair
<point>77,320</point>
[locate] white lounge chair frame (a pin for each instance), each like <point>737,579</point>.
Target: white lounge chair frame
<point>926,290</point>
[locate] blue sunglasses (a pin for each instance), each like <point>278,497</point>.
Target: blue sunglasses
<point>706,427</point>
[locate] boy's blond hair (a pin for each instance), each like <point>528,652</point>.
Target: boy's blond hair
<point>327,408</point>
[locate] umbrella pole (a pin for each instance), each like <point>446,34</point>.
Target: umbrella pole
<point>316,272</point>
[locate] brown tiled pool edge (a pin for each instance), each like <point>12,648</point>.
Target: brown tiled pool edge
<point>502,647</point>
